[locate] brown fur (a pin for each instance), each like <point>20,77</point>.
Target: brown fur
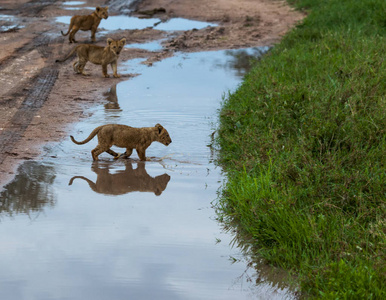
<point>90,22</point>
<point>97,55</point>
<point>126,137</point>
<point>125,181</point>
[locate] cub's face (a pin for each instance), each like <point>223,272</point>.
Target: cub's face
<point>116,46</point>
<point>163,134</point>
<point>102,12</point>
<point>164,137</point>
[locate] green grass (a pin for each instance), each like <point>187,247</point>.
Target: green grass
<point>303,144</point>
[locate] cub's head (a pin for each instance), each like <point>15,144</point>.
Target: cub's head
<point>116,46</point>
<point>161,183</point>
<point>102,12</point>
<point>163,135</point>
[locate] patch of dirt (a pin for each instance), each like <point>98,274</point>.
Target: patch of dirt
<point>40,99</point>
<point>242,23</point>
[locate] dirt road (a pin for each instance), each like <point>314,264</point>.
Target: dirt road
<point>39,99</point>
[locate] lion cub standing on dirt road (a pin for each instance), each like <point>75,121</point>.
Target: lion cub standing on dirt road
<point>124,136</point>
<point>84,23</point>
<point>97,55</point>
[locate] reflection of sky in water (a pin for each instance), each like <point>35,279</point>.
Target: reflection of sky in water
<point>135,245</point>
<point>126,22</point>
<point>6,18</point>
<point>182,24</point>
<point>73,3</point>
<point>151,46</point>
<point>8,22</point>
<point>78,8</point>
<point>10,27</point>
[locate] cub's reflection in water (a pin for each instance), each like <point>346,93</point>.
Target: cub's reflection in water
<point>112,98</point>
<point>125,181</point>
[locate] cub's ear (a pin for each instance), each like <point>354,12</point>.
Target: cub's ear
<point>98,8</point>
<point>159,126</point>
<point>123,41</point>
<point>109,41</point>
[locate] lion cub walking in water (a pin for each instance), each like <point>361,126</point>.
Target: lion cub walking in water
<point>97,55</point>
<point>90,22</point>
<point>124,136</point>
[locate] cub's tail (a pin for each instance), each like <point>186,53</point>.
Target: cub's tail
<point>65,34</point>
<point>69,54</point>
<point>90,137</point>
<point>69,27</point>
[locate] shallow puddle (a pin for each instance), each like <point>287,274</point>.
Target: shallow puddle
<point>73,3</point>
<point>76,5</point>
<point>9,23</point>
<point>150,46</point>
<point>78,8</point>
<point>182,24</point>
<point>127,22</point>
<point>123,229</point>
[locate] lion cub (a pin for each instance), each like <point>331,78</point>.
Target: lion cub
<point>97,55</point>
<point>126,137</point>
<point>90,22</point>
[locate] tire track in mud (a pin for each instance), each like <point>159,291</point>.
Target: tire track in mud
<point>35,99</point>
<point>35,7</point>
<point>40,85</point>
<point>40,43</point>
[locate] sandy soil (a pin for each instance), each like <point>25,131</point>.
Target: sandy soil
<point>40,99</point>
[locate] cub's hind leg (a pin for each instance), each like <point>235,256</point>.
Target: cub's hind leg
<point>98,150</point>
<point>75,65</point>
<point>126,154</point>
<point>80,67</point>
<point>113,153</point>
<point>72,34</point>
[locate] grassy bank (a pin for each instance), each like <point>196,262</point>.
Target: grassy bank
<point>304,146</point>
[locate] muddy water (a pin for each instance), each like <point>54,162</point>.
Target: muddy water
<point>74,229</point>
